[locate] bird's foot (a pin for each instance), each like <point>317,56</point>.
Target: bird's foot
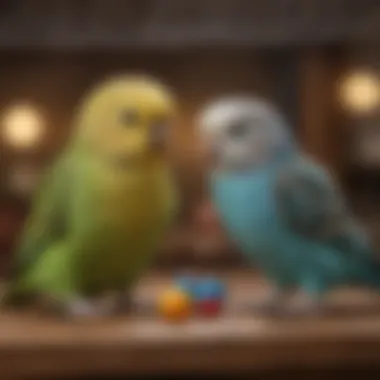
<point>272,304</point>
<point>305,307</point>
<point>82,308</point>
<point>266,307</point>
<point>307,310</point>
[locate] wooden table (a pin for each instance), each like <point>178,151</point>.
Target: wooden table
<point>32,346</point>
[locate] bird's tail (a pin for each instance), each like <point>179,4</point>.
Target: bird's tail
<point>371,275</point>
<point>11,296</point>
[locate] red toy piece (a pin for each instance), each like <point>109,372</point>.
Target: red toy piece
<point>209,308</point>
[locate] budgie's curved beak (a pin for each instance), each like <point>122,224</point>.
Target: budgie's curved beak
<point>156,143</point>
<point>158,138</point>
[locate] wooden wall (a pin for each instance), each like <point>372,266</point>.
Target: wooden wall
<point>322,129</point>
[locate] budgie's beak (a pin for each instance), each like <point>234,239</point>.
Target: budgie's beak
<point>158,139</point>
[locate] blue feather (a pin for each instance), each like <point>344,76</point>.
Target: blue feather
<point>248,207</point>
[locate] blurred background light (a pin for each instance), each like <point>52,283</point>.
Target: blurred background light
<point>360,92</point>
<point>22,126</point>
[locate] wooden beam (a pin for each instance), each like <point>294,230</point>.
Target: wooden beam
<point>175,23</point>
<point>319,121</point>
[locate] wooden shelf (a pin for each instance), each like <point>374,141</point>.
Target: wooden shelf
<point>32,346</point>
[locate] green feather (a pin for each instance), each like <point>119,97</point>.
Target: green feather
<point>45,226</point>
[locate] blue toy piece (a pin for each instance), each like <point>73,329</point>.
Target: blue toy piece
<point>209,288</point>
<point>188,284</point>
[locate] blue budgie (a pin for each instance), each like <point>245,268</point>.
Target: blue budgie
<point>283,210</point>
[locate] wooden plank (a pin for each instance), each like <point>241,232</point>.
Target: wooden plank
<point>320,124</point>
<point>237,341</point>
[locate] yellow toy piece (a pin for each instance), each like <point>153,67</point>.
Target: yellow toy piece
<point>175,305</point>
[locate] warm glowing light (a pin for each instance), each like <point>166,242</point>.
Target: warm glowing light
<point>22,126</point>
<point>360,92</point>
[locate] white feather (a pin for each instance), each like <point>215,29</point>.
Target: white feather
<point>217,115</point>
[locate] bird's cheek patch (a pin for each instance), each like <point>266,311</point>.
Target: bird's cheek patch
<point>260,151</point>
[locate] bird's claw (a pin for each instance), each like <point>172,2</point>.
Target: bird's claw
<point>266,307</point>
<point>306,309</point>
<point>82,308</point>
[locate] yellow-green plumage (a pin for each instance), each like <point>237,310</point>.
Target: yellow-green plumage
<point>108,201</point>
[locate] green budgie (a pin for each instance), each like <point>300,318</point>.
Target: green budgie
<point>99,218</point>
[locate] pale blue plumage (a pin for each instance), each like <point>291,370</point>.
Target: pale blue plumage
<point>249,208</point>
<point>283,210</point>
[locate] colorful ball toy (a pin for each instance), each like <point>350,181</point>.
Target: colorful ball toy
<point>205,294</point>
<point>175,304</point>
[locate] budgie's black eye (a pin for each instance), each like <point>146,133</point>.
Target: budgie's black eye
<point>239,129</point>
<point>129,117</point>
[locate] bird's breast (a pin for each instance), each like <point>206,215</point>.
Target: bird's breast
<point>125,205</point>
<point>246,207</point>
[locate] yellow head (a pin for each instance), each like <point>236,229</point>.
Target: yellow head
<point>126,120</point>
